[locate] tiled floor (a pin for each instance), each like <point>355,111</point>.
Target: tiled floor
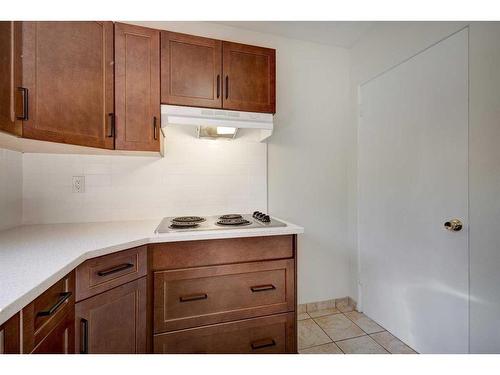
<point>332,331</point>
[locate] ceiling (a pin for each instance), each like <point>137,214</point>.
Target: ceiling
<point>335,33</point>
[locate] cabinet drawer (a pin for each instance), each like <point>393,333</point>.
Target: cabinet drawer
<point>270,334</point>
<point>44,320</point>
<point>207,295</point>
<point>101,274</point>
<point>167,256</point>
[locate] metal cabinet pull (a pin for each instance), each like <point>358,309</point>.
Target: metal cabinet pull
<point>262,288</point>
<point>84,336</point>
<point>227,87</point>
<point>264,343</point>
<point>218,86</point>
<point>154,128</point>
<point>25,104</point>
<point>112,125</point>
<point>63,297</point>
<point>193,297</point>
<point>115,269</point>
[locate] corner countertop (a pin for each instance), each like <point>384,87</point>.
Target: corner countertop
<point>34,257</point>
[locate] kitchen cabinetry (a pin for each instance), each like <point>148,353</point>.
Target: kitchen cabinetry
<point>113,322</point>
<point>66,85</point>
<point>249,78</point>
<point>9,65</point>
<point>10,336</point>
<point>205,72</point>
<point>225,296</point>
<point>191,70</point>
<point>113,319</point>
<point>137,88</point>
<point>48,321</point>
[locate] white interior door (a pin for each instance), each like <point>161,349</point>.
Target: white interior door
<point>412,163</point>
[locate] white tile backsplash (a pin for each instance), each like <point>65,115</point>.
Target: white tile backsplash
<point>11,187</point>
<point>196,176</point>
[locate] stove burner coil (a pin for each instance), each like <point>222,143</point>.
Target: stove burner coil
<point>188,219</point>
<point>235,222</point>
<point>231,217</point>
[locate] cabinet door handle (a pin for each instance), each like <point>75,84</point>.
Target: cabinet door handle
<point>262,288</point>
<point>193,297</point>
<point>154,128</point>
<point>218,86</point>
<point>25,104</point>
<point>264,343</point>
<point>63,297</point>
<point>111,125</point>
<point>84,336</point>
<point>115,269</point>
<point>227,87</point>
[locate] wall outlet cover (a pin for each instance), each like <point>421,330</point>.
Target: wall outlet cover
<point>78,184</point>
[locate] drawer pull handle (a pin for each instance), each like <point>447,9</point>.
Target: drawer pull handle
<point>262,288</point>
<point>84,333</point>
<point>63,297</point>
<point>115,269</point>
<point>264,343</point>
<point>194,297</point>
<point>24,117</point>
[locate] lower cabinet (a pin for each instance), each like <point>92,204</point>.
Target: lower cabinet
<point>10,337</point>
<point>48,321</point>
<point>113,322</point>
<point>270,334</point>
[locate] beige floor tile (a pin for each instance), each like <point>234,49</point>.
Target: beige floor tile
<point>391,343</point>
<point>338,327</point>
<point>323,312</point>
<point>365,323</point>
<point>303,316</point>
<point>310,334</point>
<point>361,345</point>
<point>330,348</point>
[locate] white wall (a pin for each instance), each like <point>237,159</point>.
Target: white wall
<point>196,176</point>
<point>389,43</point>
<point>11,187</point>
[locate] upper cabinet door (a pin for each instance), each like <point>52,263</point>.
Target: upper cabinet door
<point>137,88</point>
<point>191,70</point>
<point>249,78</point>
<point>67,82</point>
<point>9,64</point>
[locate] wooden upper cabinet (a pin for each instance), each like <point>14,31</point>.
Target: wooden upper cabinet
<point>137,88</point>
<point>10,75</point>
<point>66,93</point>
<point>191,70</point>
<point>249,78</point>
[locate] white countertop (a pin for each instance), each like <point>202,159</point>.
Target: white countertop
<point>33,257</point>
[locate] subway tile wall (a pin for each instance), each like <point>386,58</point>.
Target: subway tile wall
<point>196,176</point>
<point>11,187</point>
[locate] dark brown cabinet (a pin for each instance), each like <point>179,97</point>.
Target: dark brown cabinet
<point>191,70</point>
<point>249,78</point>
<point>113,322</point>
<point>66,89</point>
<point>137,88</point>
<point>10,336</point>
<point>205,72</point>
<point>10,75</point>
<point>48,321</point>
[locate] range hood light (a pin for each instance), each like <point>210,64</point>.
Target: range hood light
<point>225,130</point>
<point>216,132</point>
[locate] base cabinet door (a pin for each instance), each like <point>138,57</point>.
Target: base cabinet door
<point>10,336</point>
<point>267,335</point>
<point>60,340</point>
<point>113,322</point>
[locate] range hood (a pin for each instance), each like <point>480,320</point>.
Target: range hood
<point>217,118</point>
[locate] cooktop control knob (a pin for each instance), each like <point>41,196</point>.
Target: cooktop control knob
<point>256,214</point>
<point>266,219</point>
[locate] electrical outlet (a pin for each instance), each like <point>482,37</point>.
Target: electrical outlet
<point>78,184</point>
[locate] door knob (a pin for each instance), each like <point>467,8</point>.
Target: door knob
<point>454,225</point>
